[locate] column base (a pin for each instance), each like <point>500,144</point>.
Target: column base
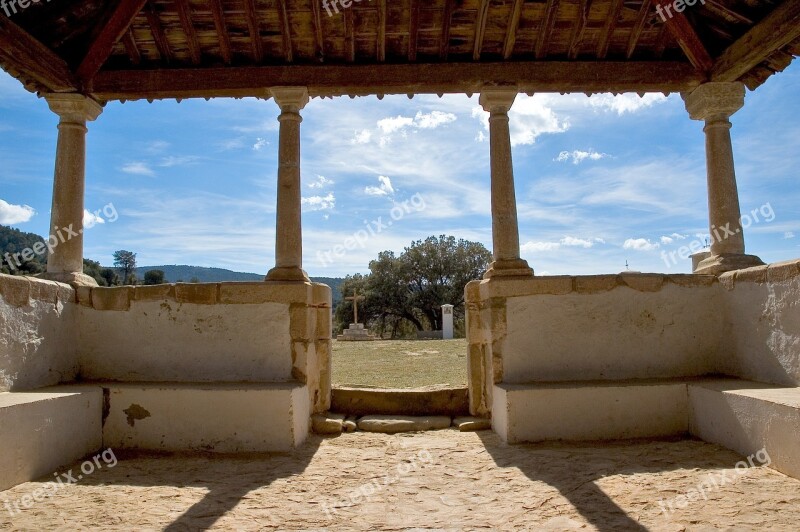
<point>727,262</point>
<point>293,274</point>
<point>71,278</point>
<point>508,268</point>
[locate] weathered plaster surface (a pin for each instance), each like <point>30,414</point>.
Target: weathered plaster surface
<point>762,333</point>
<point>37,333</point>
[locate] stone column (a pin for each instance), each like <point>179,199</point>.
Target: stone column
<point>505,230</point>
<point>714,103</point>
<point>65,259</point>
<point>289,232</point>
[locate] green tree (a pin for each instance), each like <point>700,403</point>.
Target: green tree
<point>154,277</point>
<point>110,277</point>
<point>95,271</point>
<point>126,261</point>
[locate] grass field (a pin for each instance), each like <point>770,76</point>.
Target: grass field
<point>400,363</point>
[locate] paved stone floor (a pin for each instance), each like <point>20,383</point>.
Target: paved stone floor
<point>443,480</point>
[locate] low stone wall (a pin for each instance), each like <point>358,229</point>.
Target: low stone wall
<point>762,332</point>
<point>218,332</point>
<point>37,333</point>
<point>603,327</point>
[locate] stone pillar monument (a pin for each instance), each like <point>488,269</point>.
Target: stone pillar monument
<point>65,261</point>
<point>505,229</point>
<point>289,231</point>
<point>714,103</point>
<point>447,322</point>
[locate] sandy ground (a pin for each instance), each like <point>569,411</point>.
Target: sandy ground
<point>442,480</point>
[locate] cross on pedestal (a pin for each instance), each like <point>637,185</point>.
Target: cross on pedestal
<point>355,299</point>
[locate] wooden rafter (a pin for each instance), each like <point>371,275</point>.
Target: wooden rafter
<point>513,26</point>
<point>638,27</point>
<point>447,18</point>
<point>319,45</point>
<point>722,8</point>
<point>546,28</point>
<point>158,33</point>
<point>381,37</point>
<point>27,58</point>
<point>130,46</point>
<point>350,35</point>
<point>778,29</point>
<point>185,14</point>
<point>687,37</point>
<point>286,31</point>
<point>222,30</point>
<point>112,32</point>
<point>580,26</point>
<point>387,78</point>
<point>480,29</point>
<point>254,28</point>
<point>609,28</point>
<point>413,31</point>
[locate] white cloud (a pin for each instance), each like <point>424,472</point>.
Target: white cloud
<point>321,182</point>
<point>530,117</point>
<point>788,234</point>
<point>567,241</point>
<point>578,156</point>
<point>320,203</point>
<point>158,146</point>
<point>391,125</point>
<point>640,244</point>
<point>169,162</point>
<point>625,103</point>
<point>433,119</point>
<point>362,137</point>
<point>15,214</point>
<point>138,168</point>
<point>90,220</point>
<point>260,143</point>
<point>384,189</point>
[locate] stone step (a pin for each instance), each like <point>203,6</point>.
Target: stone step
<point>423,402</point>
<point>334,424</point>
<point>218,417</point>
<point>45,429</point>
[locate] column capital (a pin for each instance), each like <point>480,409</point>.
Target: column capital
<point>714,100</point>
<point>498,99</point>
<point>73,107</point>
<point>290,99</point>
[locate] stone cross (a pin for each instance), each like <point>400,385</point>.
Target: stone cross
<point>355,299</point>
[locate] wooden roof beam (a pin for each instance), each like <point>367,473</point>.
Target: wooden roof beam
<point>350,35</point>
<point>447,17</point>
<point>130,46</point>
<point>687,38</point>
<point>387,78</point>
<point>316,20</point>
<point>158,33</point>
<point>254,28</point>
<point>101,48</point>
<point>222,30</point>
<point>286,30</point>
<point>609,28</point>
<point>549,20</point>
<point>513,26</point>
<point>185,14</point>
<point>777,30</point>
<point>27,58</point>
<point>638,28</point>
<point>413,31</point>
<point>480,29</point>
<point>580,26</point>
<point>381,38</point>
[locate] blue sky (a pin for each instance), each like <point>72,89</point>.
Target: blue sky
<point>600,181</point>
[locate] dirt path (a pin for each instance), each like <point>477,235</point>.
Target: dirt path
<point>442,480</point>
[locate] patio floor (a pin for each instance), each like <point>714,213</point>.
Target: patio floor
<point>443,480</point>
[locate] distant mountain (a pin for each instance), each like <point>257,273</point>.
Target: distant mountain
<point>173,274</point>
